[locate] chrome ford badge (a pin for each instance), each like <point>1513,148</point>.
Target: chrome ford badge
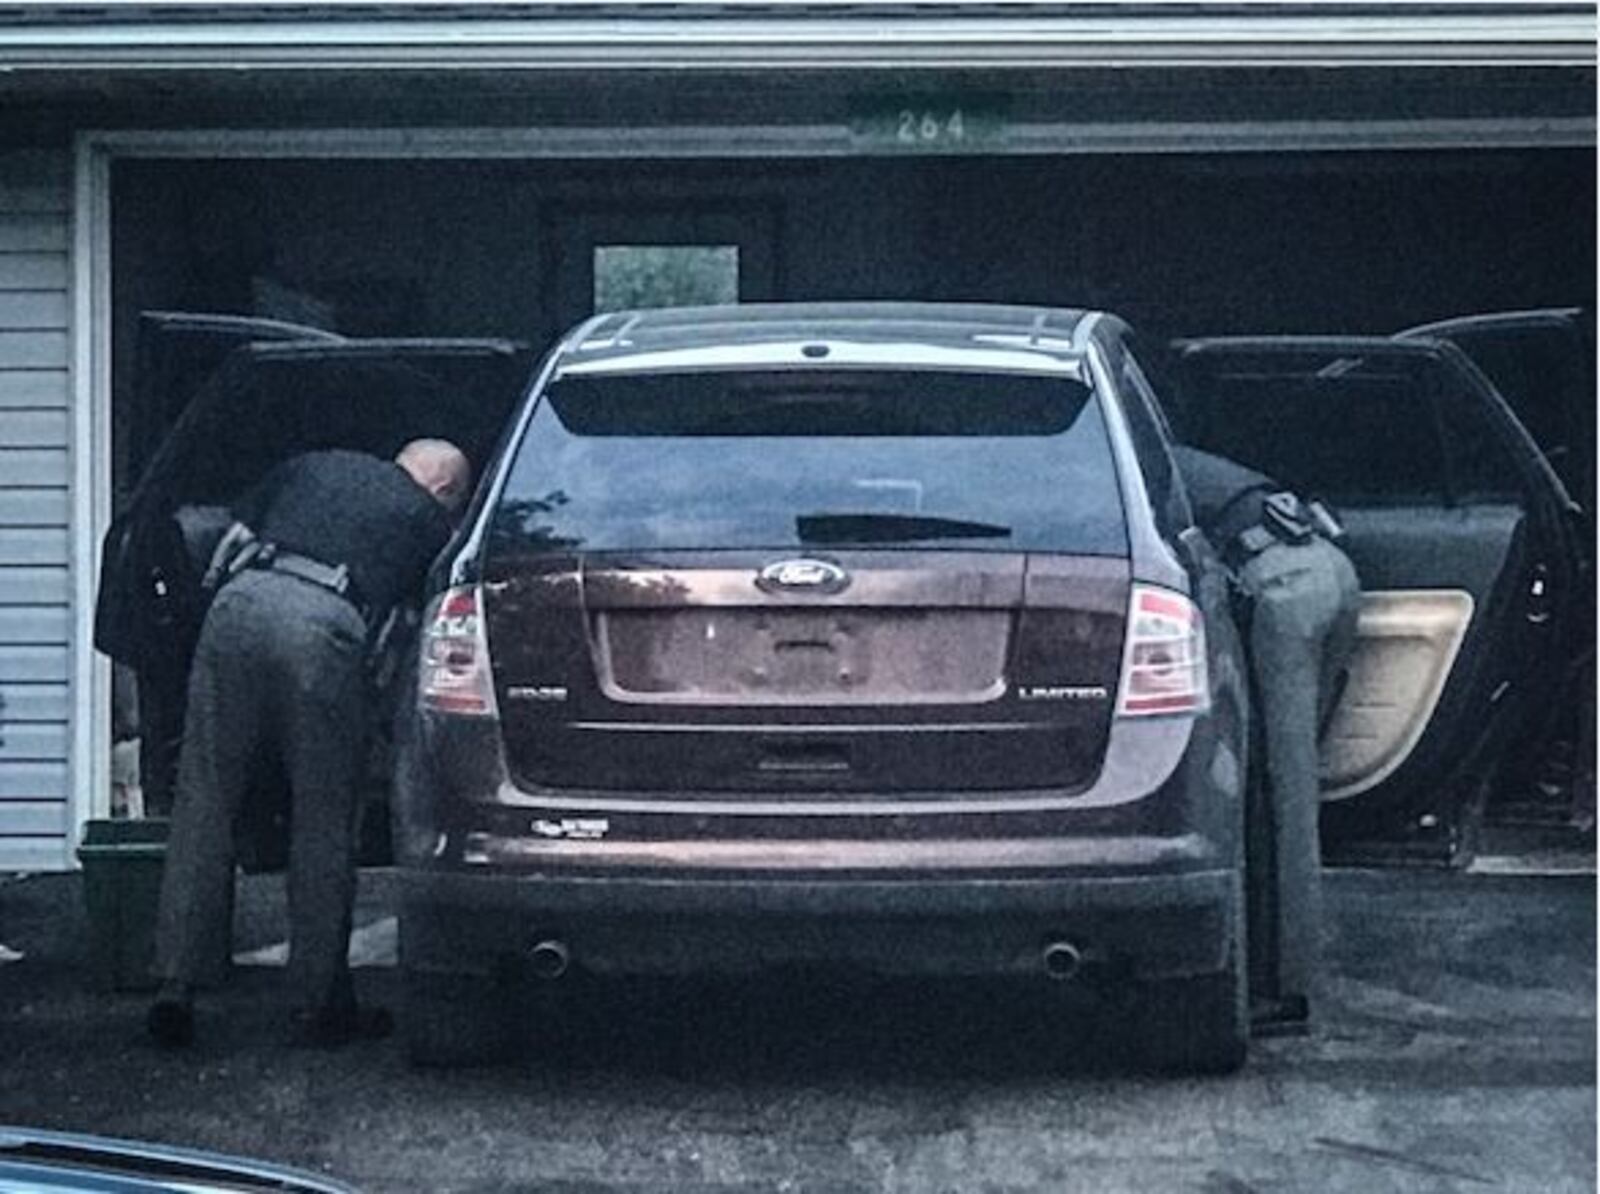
<point>814,576</point>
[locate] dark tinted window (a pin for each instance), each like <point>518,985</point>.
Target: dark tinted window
<point>802,458</point>
<point>1540,372</point>
<point>1352,429</point>
<point>1545,374</point>
<point>1142,410</point>
<point>1481,465</point>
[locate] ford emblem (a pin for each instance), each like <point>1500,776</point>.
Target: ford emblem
<point>814,576</point>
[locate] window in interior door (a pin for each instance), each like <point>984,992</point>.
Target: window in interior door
<point>627,277</point>
<point>1354,431</point>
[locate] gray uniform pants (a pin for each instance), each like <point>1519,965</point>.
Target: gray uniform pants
<point>1304,601</point>
<point>280,666</point>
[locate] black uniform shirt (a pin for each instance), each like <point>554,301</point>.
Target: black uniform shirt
<point>350,508</point>
<point>1226,497</point>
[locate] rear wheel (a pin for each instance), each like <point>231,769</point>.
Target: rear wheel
<point>455,1019</point>
<point>1200,1025</point>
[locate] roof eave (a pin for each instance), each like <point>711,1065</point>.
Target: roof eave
<point>816,41</point>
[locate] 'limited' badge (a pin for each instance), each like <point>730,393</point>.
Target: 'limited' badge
<point>1062,692</point>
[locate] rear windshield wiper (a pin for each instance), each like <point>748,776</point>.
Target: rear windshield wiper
<point>891,528</point>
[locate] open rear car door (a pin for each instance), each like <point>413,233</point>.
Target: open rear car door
<point>144,610</point>
<point>1462,537</point>
<point>262,401</point>
<point>1543,364</point>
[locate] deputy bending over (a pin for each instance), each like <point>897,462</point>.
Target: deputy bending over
<point>339,539</point>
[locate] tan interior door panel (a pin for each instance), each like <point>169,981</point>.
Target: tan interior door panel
<point>1407,642</point>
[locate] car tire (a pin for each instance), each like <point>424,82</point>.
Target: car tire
<point>455,1019</point>
<point>1200,1024</point>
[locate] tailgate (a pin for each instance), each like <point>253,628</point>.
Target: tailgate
<point>922,671</point>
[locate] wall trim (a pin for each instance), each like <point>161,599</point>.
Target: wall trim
<point>840,140</point>
<point>89,769</point>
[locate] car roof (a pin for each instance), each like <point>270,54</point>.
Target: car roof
<point>853,333</point>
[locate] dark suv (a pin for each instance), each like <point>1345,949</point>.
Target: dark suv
<point>868,634</point>
<point>828,662</point>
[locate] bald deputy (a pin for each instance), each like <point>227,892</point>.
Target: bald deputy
<point>340,538</point>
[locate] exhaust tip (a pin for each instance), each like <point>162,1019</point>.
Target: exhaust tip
<point>549,959</point>
<point>1061,960</point>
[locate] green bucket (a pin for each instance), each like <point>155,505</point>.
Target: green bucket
<point>122,863</point>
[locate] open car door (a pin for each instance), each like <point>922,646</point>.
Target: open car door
<point>1460,534</point>
<point>143,607</point>
<point>1543,363</point>
<point>266,401</point>
<point>176,353</point>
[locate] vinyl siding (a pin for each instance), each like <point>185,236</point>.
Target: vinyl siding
<point>36,707</point>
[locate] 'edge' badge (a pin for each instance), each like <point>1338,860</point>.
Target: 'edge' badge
<point>537,692</point>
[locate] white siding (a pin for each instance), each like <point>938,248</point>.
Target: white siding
<point>36,708</point>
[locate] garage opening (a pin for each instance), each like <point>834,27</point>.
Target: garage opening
<point>519,251</point>
<point>1357,242</point>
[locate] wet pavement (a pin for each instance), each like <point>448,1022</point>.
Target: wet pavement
<point>1456,1052</point>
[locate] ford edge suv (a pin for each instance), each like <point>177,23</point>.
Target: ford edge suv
<point>871,634</point>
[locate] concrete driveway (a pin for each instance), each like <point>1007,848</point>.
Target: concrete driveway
<point>1456,1053</point>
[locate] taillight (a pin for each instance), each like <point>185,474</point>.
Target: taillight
<point>455,675</point>
<point>1164,665</point>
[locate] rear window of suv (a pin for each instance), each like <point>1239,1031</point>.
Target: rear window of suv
<point>811,459</point>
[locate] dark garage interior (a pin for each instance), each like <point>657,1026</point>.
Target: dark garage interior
<point>1178,244</point>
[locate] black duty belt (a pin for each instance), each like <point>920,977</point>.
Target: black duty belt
<point>334,578</point>
<point>1267,518</point>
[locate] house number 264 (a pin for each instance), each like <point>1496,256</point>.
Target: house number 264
<point>923,128</point>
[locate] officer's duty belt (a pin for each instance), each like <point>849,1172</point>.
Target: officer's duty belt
<point>335,579</point>
<point>1258,519</point>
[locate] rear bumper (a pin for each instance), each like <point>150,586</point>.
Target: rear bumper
<point>1154,925</point>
